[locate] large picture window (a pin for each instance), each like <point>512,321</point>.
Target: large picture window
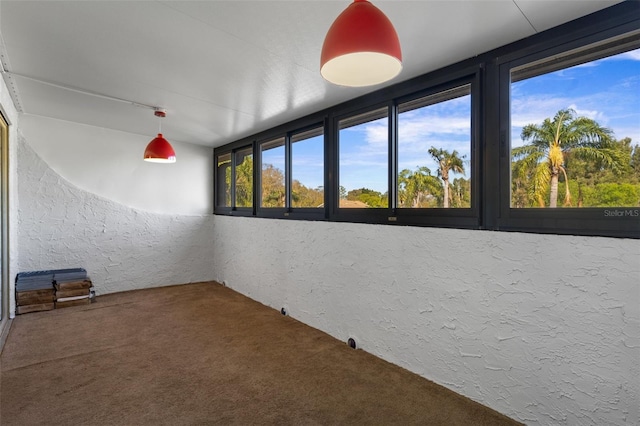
<point>434,150</point>
<point>575,132</point>
<point>574,139</point>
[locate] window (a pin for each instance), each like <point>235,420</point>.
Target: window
<point>364,160</point>
<point>292,174</point>
<point>272,177</point>
<point>542,135</point>
<point>243,168</point>
<point>223,180</point>
<point>574,132</point>
<point>434,150</point>
<point>303,186</point>
<point>307,169</point>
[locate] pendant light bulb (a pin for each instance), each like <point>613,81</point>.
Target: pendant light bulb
<point>159,150</point>
<point>361,48</point>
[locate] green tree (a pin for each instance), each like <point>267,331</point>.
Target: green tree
<point>461,193</point>
<point>224,191</point>
<point>368,196</point>
<point>343,193</point>
<point>272,180</point>
<point>273,190</point>
<point>244,182</point>
<point>418,188</point>
<point>301,196</point>
<point>447,162</point>
<point>635,163</point>
<point>542,161</point>
<point>585,175</point>
<point>616,195</point>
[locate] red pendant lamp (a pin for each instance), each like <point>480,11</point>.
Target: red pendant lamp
<point>159,149</point>
<point>361,47</point>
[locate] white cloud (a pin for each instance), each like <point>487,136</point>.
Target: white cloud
<point>632,132</point>
<point>377,133</point>
<point>596,115</point>
<point>415,149</point>
<point>630,83</point>
<point>416,162</point>
<point>414,129</point>
<point>369,139</point>
<point>585,65</point>
<point>535,109</point>
<point>633,55</point>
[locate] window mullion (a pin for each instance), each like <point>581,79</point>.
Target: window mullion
<point>233,180</point>
<point>393,158</point>
<point>287,172</point>
<point>330,157</point>
<point>257,178</point>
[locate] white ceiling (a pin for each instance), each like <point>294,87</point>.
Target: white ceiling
<point>228,69</point>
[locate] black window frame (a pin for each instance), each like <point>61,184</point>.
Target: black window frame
<point>231,150</point>
<point>314,213</point>
<point>342,214</point>
<point>591,221</point>
<point>219,181</point>
<point>286,131</point>
<point>451,217</point>
<point>260,209</point>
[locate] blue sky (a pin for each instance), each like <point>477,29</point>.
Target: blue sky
<point>607,90</point>
<point>308,161</point>
<point>364,148</point>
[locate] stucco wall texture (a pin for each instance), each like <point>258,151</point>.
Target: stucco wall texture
<point>542,328</point>
<point>62,226</point>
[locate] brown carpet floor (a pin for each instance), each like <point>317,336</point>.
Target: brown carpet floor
<point>203,354</point>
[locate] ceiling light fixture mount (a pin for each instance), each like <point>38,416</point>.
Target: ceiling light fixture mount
<point>361,48</point>
<point>159,149</point>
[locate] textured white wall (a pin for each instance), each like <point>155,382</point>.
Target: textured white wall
<point>63,226</point>
<point>543,328</point>
<point>109,163</point>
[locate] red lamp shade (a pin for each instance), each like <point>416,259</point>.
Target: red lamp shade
<point>160,150</point>
<point>361,47</point>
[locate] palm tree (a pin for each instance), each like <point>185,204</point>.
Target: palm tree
<point>461,193</point>
<point>447,162</point>
<point>544,158</point>
<point>415,186</point>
